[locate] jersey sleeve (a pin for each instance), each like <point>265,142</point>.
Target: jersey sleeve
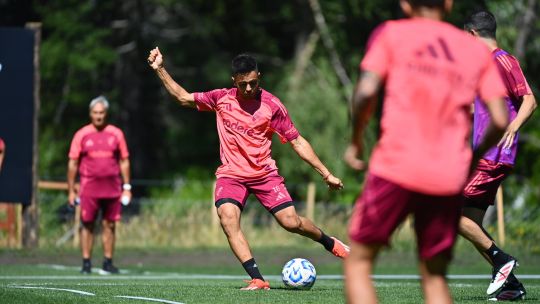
<point>206,101</point>
<point>512,76</point>
<point>75,148</point>
<point>377,57</point>
<point>282,124</point>
<point>490,84</point>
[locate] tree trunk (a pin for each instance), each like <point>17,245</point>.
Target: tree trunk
<point>305,52</point>
<point>30,213</point>
<point>329,45</point>
<point>524,27</point>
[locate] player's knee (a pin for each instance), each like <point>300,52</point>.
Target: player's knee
<point>291,223</point>
<point>87,225</point>
<point>228,216</point>
<point>110,225</point>
<point>436,265</point>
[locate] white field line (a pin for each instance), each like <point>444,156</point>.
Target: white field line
<point>177,276</point>
<point>91,294</point>
<point>126,274</point>
<point>50,288</point>
<point>149,299</point>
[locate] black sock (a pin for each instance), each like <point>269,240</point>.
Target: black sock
<point>497,256</point>
<point>252,270</point>
<point>107,261</point>
<point>326,241</point>
<point>86,262</point>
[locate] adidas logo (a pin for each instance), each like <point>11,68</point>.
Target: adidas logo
<point>280,196</point>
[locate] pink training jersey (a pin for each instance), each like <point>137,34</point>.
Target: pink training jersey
<point>245,129</point>
<point>517,87</point>
<point>432,72</point>
<point>99,153</point>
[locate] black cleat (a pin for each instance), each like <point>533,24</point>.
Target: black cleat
<point>108,268</point>
<point>501,273</point>
<point>511,291</point>
<point>86,268</point>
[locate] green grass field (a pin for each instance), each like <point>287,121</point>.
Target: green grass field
<point>214,276</point>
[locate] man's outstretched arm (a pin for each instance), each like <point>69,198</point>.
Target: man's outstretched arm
<point>184,98</point>
<point>302,147</point>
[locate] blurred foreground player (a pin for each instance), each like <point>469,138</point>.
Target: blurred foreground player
<point>498,162</point>
<point>247,117</point>
<point>99,152</point>
<point>431,71</point>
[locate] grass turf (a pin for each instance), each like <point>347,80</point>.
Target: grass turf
<point>148,275</point>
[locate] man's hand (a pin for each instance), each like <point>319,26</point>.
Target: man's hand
<point>333,182</point>
<point>72,195</point>
<point>126,195</point>
<point>155,59</point>
<point>508,137</point>
<point>351,157</point>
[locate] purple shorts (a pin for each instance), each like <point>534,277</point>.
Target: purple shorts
<point>90,206</point>
<point>270,191</point>
<point>482,187</point>
<point>383,205</point>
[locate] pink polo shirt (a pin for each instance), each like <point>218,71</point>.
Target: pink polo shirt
<point>99,153</point>
<point>432,72</point>
<point>245,129</point>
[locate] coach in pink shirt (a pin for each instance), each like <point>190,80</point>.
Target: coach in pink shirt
<point>431,71</point>
<point>99,153</point>
<point>247,116</point>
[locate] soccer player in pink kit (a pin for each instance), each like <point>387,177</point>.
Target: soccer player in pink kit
<point>247,116</point>
<point>498,162</point>
<point>431,71</point>
<point>99,152</point>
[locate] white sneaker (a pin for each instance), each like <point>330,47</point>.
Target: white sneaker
<point>500,276</point>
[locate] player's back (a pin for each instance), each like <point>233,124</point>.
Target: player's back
<point>432,72</point>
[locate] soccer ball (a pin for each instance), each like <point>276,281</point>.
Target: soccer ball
<point>299,274</point>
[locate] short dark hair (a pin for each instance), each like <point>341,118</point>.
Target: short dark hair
<point>483,22</point>
<point>427,3</point>
<point>244,63</point>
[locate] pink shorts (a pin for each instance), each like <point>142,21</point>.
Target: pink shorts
<point>270,191</point>
<point>90,206</point>
<point>383,205</point>
<point>482,187</point>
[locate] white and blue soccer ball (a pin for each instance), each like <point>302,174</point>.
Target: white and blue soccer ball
<point>299,274</point>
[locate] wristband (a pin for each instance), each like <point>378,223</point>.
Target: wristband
<point>327,176</point>
<point>126,187</point>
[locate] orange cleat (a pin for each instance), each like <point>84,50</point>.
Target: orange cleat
<point>340,249</point>
<point>256,284</point>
